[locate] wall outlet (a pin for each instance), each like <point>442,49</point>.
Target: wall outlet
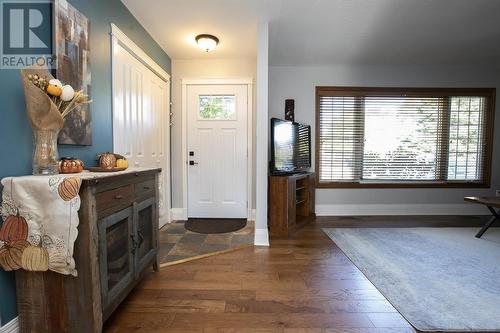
<point>497,193</point>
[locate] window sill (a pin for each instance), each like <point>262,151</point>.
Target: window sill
<point>403,185</point>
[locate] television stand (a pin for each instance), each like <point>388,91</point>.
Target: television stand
<point>291,203</point>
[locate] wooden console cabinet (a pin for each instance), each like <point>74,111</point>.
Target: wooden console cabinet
<point>291,203</point>
<point>117,243</point>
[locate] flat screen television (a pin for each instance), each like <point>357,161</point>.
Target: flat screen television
<point>290,147</point>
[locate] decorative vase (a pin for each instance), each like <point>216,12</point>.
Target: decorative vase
<point>45,155</point>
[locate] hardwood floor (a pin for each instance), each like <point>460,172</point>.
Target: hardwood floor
<point>300,285</point>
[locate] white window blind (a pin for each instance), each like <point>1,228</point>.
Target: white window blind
<point>401,137</point>
<point>341,138</point>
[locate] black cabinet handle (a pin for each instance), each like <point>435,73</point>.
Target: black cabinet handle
<point>134,243</point>
<point>141,238</point>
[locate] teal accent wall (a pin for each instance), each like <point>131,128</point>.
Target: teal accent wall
<point>15,132</point>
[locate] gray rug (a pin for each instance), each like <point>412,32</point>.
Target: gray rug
<point>439,279</point>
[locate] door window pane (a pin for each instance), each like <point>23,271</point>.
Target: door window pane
<point>217,107</point>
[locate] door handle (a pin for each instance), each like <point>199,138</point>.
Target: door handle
<point>192,163</point>
<point>134,243</point>
<point>141,238</point>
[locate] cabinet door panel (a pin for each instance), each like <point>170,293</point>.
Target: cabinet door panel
<point>146,239</point>
<point>117,258</point>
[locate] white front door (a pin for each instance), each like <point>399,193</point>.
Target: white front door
<point>140,119</point>
<point>217,150</point>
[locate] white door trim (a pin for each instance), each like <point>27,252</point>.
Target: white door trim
<point>237,81</point>
<point>119,37</point>
<point>135,50</point>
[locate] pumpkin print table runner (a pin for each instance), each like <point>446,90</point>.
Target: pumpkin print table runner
<point>40,215</point>
<point>40,220</point>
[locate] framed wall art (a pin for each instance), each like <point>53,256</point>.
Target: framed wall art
<point>72,66</point>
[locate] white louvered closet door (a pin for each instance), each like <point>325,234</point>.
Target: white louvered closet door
<point>141,118</point>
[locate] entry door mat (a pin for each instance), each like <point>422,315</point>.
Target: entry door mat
<point>215,226</point>
<point>439,279</point>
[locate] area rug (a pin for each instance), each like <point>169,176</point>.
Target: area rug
<point>439,279</point>
<point>215,226</point>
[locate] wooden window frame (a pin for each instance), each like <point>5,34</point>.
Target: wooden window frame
<point>488,93</point>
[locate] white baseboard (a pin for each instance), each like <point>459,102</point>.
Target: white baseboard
<point>251,215</point>
<point>165,219</point>
<point>261,237</point>
<point>179,214</point>
<point>401,209</point>
<point>11,327</point>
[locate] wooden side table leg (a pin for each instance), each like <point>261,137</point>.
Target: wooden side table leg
<point>489,224</point>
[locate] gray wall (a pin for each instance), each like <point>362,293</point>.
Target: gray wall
<point>299,83</point>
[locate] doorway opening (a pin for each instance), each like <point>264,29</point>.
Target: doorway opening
<point>217,125</point>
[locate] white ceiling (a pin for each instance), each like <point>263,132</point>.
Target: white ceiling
<point>175,23</point>
<point>330,32</point>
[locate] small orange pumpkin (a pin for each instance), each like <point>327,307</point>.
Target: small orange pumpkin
<point>35,259</point>
<point>15,228</point>
<point>69,188</point>
<point>107,161</point>
<point>70,165</point>
<point>54,90</point>
<point>11,255</point>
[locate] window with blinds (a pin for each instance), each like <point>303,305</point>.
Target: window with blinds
<point>403,137</point>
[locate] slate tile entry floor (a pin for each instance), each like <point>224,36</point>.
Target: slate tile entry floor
<point>177,243</point>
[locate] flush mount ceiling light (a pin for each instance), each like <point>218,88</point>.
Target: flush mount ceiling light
<point>207,42</point>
